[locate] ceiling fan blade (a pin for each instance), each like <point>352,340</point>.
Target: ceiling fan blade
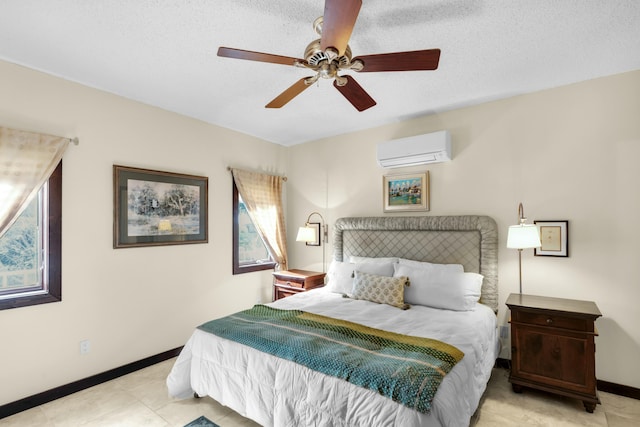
<point>401,61</point>
<point>229,52</point>
<point>338,21</point>
<point>355,94</point>
<point>290,93</point>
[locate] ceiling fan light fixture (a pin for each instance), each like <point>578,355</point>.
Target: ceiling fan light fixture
<point>330,54</point>
<point>328,70</point>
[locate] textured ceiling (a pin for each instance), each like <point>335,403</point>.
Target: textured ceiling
<point>163,53</point>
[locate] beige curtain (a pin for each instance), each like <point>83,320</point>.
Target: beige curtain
<point>262,195</point>
<point>27,160</point>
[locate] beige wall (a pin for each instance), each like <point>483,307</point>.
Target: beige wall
<point>135,302</point>
<point>568,153</point>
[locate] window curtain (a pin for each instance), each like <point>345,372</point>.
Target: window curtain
<point>27,160</point>
<point>262,195</point>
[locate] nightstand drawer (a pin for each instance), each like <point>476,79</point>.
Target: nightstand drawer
<point>284,292</point>
<point>289,282</point>
<point>295,282</point>
<point>552,320</point>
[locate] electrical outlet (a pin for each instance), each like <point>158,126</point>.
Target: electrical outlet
<point>85,346</point>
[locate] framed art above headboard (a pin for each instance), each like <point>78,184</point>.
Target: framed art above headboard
<point>469,240</point>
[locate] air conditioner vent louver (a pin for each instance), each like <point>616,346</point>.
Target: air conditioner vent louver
<point>415,150</point>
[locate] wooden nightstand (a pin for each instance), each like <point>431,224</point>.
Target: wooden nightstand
<point>552,346</point>
<point>292,281</point>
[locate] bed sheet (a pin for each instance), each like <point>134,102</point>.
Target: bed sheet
<point>277,392</point>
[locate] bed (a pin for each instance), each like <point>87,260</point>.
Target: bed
<point>276,391</point>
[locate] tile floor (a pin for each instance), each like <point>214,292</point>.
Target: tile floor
<point>140,399</point>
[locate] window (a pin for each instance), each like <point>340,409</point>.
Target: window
<point>30,251</point>
<point>249,250</point>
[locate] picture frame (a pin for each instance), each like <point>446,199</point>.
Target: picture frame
<point>406,192</point>
<point>316,228</point>
<point>554,236</point>
<point>156,208</point>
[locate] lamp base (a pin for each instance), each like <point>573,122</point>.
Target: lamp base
<point>520,268</point>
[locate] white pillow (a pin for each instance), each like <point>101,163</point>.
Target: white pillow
<point>451,290</point>
<point>358,259</point>
<point>378,268</point>
<point>341,274</point>
<point>340,277</point>
<point>430,265</point>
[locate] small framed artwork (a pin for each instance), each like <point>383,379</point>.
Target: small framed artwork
<point>407,192</point>
<point>154,208</point>
<point>554,236</point>
<point>316,229</point>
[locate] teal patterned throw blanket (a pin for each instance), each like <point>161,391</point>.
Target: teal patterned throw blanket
<point>404,368</point>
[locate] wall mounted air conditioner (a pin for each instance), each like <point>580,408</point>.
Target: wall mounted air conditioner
<point>415,150</point>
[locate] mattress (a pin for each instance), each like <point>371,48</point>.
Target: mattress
<point>277,392</point>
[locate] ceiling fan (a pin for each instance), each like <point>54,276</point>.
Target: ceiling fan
<point>331,54</point>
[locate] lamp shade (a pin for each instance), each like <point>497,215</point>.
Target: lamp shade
<point>523,236</point>
<point>306,234</point>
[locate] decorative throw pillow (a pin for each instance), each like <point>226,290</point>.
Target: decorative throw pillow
<point>451,290</point>
<point>380,289</point>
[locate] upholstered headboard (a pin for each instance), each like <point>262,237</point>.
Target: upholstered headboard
<point>468,240</point>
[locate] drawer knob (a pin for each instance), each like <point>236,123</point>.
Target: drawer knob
<point>288,283</point>
<point>549,321</point>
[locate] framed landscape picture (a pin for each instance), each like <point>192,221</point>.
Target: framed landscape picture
<point>407,192</point>
<point>153,208</point>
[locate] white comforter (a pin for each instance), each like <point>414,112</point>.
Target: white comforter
<point>277,392</point>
